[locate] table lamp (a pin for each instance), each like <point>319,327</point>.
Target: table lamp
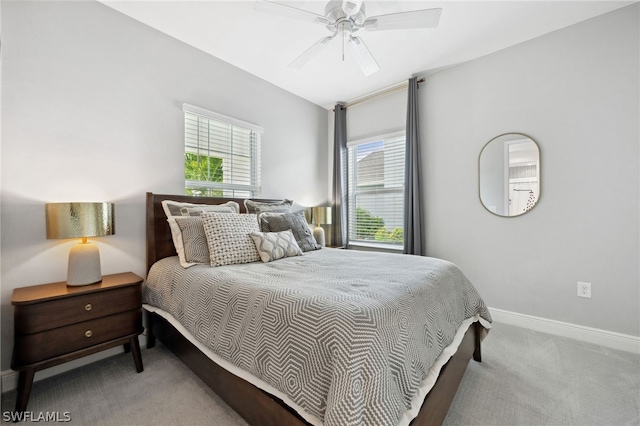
<point>321,216</point>
<point>81,220</point>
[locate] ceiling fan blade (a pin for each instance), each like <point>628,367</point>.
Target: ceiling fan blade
<point>425,18</point>
<point>289,12</point>
<point>306,56</point>
<point>363,57</point>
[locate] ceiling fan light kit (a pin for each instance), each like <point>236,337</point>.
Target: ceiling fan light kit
<point>346,17</point>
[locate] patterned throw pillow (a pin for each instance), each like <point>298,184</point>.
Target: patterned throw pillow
<point>228,237</point>
<point>296,222</point>
<point>275,245</point>
<point>194,240</point>
<point>175,209</point>
<point>265,206</point>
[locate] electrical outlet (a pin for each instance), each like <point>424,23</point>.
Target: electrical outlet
<point>584,289</point>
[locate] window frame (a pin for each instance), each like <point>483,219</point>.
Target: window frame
<point>253,189</point>
<point>351,161</point>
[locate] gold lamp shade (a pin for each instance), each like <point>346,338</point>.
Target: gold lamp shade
<point>78,220</point>
<point>322,215</point>
<point>81,220</point>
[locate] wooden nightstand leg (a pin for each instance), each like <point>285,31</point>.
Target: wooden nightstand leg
<point>25,381</point>
<point>135,350</point>
<point>127,348</point>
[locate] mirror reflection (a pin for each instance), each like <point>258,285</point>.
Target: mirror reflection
<point>509,174</point>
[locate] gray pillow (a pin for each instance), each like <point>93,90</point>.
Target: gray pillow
<point>276,222</point>
<point>194,240</point>
<point>254,207</point>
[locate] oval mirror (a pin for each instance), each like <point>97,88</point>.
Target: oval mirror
<point>509,174</point>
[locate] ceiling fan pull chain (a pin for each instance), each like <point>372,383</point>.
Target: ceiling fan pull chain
<point>343,37</point>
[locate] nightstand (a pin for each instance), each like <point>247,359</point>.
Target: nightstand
<point>55,323</point>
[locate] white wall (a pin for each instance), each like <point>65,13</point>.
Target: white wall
<point>92,110</point>
<point>576,92</point>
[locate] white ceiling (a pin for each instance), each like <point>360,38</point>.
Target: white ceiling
<point>264,44</point>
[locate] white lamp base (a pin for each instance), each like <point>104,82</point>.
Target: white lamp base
<point>84,265</point>
<point>318,234</point>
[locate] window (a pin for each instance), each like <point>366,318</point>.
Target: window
<point>221,155</point>
<point>376,189</point>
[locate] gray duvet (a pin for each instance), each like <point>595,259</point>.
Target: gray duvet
<point>346,335</point>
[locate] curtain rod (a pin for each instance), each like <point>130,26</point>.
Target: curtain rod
<point>381,93</point>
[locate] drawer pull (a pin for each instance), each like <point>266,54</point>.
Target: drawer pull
<point>88,333</point>
<point>88,307</point>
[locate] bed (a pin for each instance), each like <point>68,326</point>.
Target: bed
<point>321,381</point>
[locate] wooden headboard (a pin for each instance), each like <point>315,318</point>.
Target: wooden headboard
<point>159,241</point>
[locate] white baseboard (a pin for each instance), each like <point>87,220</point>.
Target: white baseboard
<point>10,377</point>
<point>609,339</point>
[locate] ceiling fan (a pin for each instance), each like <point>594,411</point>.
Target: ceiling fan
<point>345,18</point>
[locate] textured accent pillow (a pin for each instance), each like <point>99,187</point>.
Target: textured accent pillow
<point>175,209</point>
<point>296,222</point>
<point>228,237</point>
<point>260,210</point>
<point>276,245</point>
<point>264,206</point>
<point>194,240</point>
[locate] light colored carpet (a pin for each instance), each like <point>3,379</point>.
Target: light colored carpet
<point>532,378</point>
<point>526,378</point>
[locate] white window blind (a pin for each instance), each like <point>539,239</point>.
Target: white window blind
<point>376,189</point>
<point>222,155</point>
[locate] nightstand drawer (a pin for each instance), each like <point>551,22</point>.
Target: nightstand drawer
<point>37,347</point>
<point>47,315</point>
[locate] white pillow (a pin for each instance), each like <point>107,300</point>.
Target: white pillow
<point>228,237</point>
<point>276,245</point>
<point>179,209</point>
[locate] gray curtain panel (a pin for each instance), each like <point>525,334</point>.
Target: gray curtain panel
<point>339,226</point>
<point>414,240</point>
